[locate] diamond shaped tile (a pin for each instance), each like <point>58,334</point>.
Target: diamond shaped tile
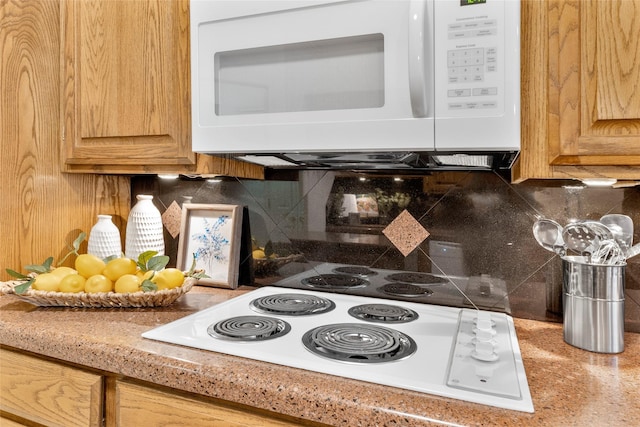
<point>405,232</point>
<point>171,219</point>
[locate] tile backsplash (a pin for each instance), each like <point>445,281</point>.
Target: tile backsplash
<point>480,225</point>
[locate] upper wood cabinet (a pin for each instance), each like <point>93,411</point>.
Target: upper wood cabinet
<point>125,90</point>
<point>580,89</point>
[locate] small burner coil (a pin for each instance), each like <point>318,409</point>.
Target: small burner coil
<point>383,313</point>
<point>355,270</point>
<point>249,328</point>
<point>292,304</point>
<point>405,290</point>
<point>334,281</point>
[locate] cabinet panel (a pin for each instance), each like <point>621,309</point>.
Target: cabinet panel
<point>125,83</point>
<point>49,393</point>
<point>594,85</point>
<point>580,75</point>
<point>139,405</point>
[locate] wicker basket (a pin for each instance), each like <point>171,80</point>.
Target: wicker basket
<point>100,299</point>
<point>269,266</point>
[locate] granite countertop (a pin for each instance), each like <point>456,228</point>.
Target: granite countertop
<point>569,386</point>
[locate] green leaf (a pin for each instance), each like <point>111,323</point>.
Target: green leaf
<point>199,275</point>
<point>16,274</point>
<point>148,286</point>
<point>76,246</point>
<point>196,274</point>
<point>78,241</point>
<point>23,287</point>
<point>34,268</point>
<point>110,257</point>
<point>144,258</point>
<point>157,263</point>
<point>193,266</point>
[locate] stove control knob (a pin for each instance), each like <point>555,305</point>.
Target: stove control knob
<point>483,320</point>
<point>484,342</point>
<point>484,351</point>
<point>484,330</point>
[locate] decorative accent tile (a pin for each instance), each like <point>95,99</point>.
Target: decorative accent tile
<point>405,232</point>
<point>171,219</point>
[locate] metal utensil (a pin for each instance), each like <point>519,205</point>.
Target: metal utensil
<point>608,253</point>
<point>548,234</point>
<point>633,251</point>
<point>583,237</point>
<point>622,228</point>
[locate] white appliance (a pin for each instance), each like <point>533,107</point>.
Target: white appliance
<point>465,354</point>
<point>335,76</point>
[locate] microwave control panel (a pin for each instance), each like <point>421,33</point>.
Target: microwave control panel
<point>471,53</point>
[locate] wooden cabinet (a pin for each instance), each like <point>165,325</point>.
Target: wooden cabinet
<point>580,89</point>
<point>35,390</point>
<point>125,90</point>
<point>48,393</point>
<point>141,405</point>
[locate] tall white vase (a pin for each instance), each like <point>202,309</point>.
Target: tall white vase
<point>104,238</point>
<point>144,228</point>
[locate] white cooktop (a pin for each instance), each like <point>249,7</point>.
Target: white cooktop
<point>442,364</point>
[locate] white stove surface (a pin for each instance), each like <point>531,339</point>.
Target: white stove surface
<point>442,364</point>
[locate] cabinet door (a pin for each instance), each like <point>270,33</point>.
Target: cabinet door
<point>580,75</point>
<point>126,86</point>
<point>138,405</point>
<point>594,82</point>
<point>49,393</point>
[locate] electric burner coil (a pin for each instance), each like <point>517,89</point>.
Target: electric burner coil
<point>334,281</point>
<point>292,304</point>
<point>359,343</point>
<point>249,328</point>
<point>383,313</point>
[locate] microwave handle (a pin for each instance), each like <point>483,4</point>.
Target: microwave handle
<point>420,54</point>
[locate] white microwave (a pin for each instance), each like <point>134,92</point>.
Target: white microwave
<point>296,76</point>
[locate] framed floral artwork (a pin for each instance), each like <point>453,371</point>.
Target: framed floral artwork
<point>210,235</point>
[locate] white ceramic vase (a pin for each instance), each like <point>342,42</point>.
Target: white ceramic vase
<point>104,238</point>
<point>144,228</point>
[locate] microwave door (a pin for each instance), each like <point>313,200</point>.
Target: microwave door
<point>351,85</point>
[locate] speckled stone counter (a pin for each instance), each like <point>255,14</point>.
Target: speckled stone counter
<point>570,387</point>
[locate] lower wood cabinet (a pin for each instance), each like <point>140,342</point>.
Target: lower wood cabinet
<point>48,393</point>
<point>45,392</point>
<point>138,405</point>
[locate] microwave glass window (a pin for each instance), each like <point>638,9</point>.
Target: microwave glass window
<point>335,74</point>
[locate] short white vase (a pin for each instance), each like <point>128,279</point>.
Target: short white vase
<point>104,238</point>
<point>144,228</point>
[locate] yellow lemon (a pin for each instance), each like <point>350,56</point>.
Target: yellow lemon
<point>128,283</point>
<point>98,283</point>
<point>89,265</point>
<point>258,254</point>
<point>63,271</point>
<point>46,282</point>
<point>144,275</point>
<point>118,267</point>
<point>168,278</point>
<point>72,283</point>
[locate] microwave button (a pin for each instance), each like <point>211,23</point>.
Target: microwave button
<point>454,93</point>
<point>488,104</point>
<point>485,91</point>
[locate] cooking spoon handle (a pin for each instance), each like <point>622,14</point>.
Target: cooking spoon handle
<point>633,251</point>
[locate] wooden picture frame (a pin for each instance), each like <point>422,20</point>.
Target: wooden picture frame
<point>211,233</point>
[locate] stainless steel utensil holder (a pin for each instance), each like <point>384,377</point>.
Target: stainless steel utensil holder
<point>593,306</point>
